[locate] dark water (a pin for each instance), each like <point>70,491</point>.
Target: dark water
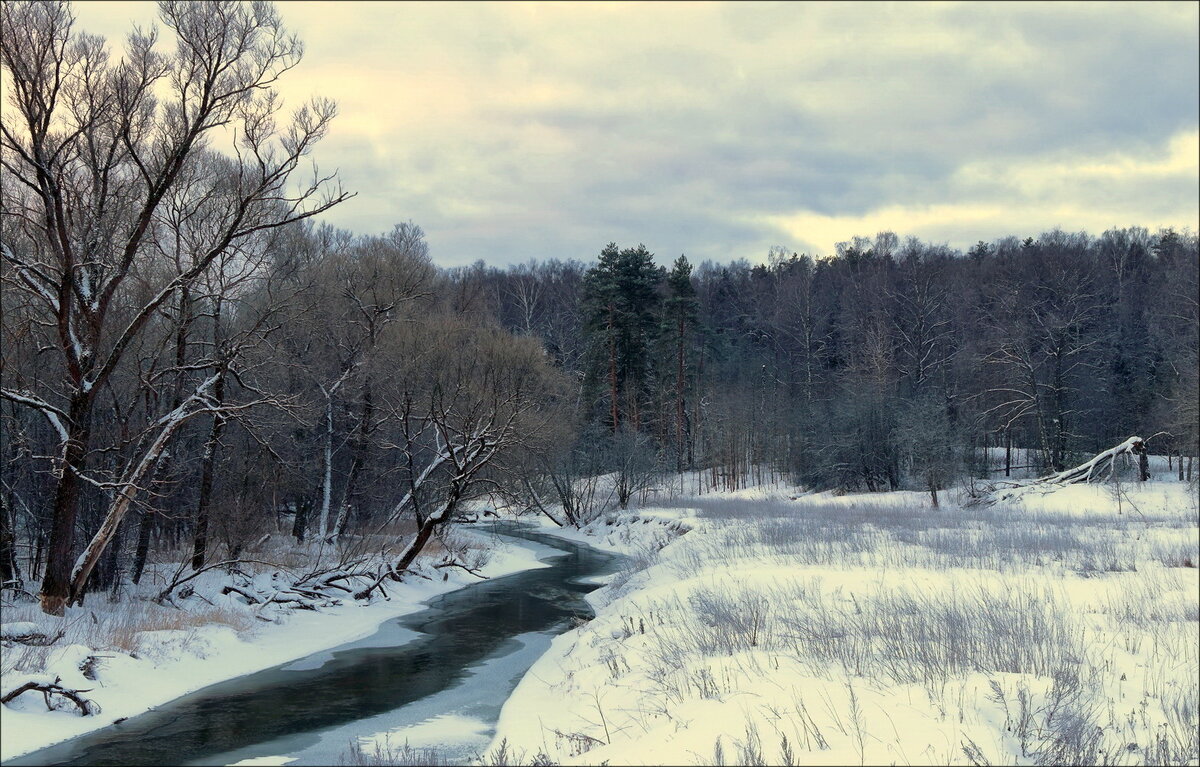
<point>461,656</point>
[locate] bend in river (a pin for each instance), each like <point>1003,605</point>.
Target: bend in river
<point>458,658</point>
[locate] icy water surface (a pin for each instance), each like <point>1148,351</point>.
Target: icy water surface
<point>439,675</point>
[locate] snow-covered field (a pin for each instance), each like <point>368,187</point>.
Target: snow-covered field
<point>146,655</point>
<point>872,629</point>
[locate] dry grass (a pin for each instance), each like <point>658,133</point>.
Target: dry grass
<point>117,628</point>
<point>1053,605</point>
<point>124,629</point>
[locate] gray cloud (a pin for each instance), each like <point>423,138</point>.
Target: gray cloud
<point>514,131</point>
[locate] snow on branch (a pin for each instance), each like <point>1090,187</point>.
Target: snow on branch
<point>47,689</point>
<point>55,416</point>
<point>1102,462</point>
<point>200,401</point>
<point>25,632</point>
<point>1096,469</point>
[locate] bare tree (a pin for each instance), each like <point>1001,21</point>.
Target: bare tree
<point>464,410</point>
<point>636,464</point>
<point>90,148</point>
<point>354,292</point>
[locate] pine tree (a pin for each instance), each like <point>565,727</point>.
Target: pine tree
<point>679,319</point>
<point>620,299</point>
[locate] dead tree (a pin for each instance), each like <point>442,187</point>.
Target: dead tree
<point>1098,468</point>
<point>1101,466</point>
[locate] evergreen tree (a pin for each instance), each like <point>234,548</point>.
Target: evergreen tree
<point>679,320</point>
<point>620,299</point>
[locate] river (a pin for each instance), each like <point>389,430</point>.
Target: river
<point>453,663</point>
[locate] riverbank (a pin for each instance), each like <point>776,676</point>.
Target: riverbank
<point>1061,628</point>
<point>206,644</point>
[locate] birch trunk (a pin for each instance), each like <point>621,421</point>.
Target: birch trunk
<point>327,483</point>
<point>208,462</point>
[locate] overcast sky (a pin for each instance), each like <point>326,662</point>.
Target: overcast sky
<point>512,131</point>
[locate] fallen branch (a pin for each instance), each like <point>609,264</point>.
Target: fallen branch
<point>28,634</point>
<point>231,589</point>
<point>86,707</point>
<point>1107,459</point>
<point>297,601</point>
<point>388,573</point>
<point>177,581</point>
<point>1098,468</point>
<point>470,570</point>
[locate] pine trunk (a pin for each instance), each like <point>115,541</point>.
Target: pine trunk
<point>612,373</point>
<point>679,398</point>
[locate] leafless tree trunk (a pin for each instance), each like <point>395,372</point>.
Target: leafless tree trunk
<point>612,373</point>
<point>10,573</point>
<point>97,158</point>
<point>207,462</point>
<point>359,450</point>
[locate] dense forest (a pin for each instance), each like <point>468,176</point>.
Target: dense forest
<point>191,362</point>
<point>889,364</point>
<point>883,366</point>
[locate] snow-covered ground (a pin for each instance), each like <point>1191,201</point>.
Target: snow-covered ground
<point>872,629</point>
<point>147,655</point>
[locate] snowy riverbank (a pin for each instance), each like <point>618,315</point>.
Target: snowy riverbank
<point>161,665</point>
<point>1061,628</point>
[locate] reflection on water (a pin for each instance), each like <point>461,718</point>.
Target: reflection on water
<point>295,702</point>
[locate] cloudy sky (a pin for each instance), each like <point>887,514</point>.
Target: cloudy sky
<point>511,131</point>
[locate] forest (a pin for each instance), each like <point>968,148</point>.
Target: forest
<point>283,482</point>
<point>192,362</point>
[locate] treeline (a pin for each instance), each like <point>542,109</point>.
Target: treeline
<point>887,365</point>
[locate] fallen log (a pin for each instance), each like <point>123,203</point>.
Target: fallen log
<point>1103,462</point>
<point>178,581</point>
<point>1098,468</point>
<point>388,573</point>
<point>231,589</point>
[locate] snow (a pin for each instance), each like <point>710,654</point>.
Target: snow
<point>772,625</point>
<point>173,662</point>
<point>53,414</point>
<point>1087,469</point>
<point>428,734</point>
<point>792,628</point>
<point>18,630</point>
